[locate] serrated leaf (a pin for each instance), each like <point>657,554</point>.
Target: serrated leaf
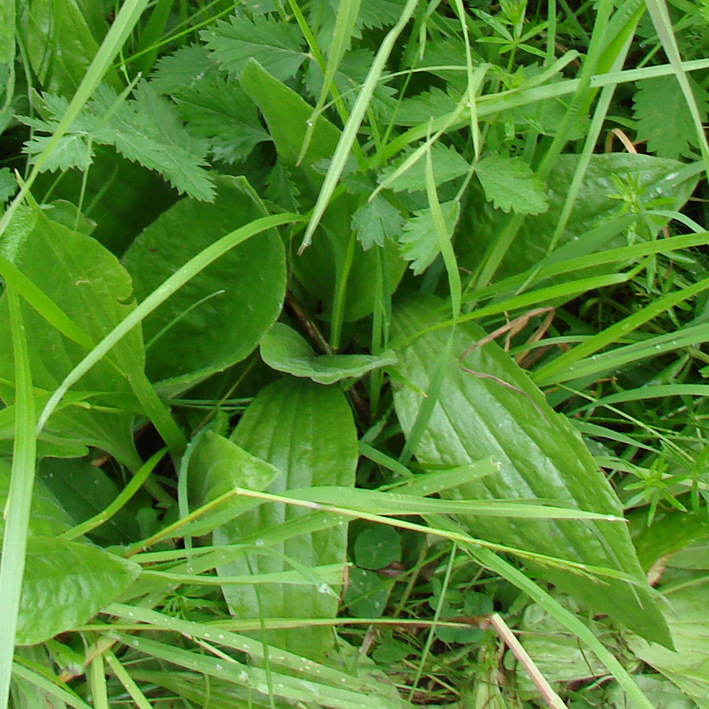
<point>419,242</point>
<point>281,189</point>
<point>90,286</point>
<point>221,113</point>
<point>540,455</point>
<point>351,74</point>
<point>65,584</point>
<point>74,148</point>
<point>183,70</point>
<point>511,185</point>
<point>663,118</point>
<point>71,151</point>
<point>307,432</point>
<point>217,318</point>
<point>283,349</point>
<point>380,14</point>
<point>447,165</point>
<point>276,45</point>
<point>148,130</point>
<point>377,222</point>
<point>448,51</point>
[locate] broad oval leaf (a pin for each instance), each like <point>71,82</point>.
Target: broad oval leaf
<point>61,39</point>
<point>217,318</point>
<point>495,410</point>
<point>89,285</point>
<point>283,349</point>
<point>306,431</point>
<point>65,584</point>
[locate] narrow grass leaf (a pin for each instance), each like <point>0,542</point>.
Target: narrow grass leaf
<point>555,371</point>
<point>17,511</point>
<point>349,134</point>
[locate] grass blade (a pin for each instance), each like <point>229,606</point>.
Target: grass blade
<point>19,500</point>
<point>349,134</point>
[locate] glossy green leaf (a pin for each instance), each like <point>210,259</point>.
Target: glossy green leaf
<point>50,444</point>
<point>283,349</point>
<point>307,432</point>
<point>216,467</point>
<point>47,518</point>
<point>217,318</point>
<point>66,584</point>
<point>651,178</point>
<point>321,265</point>
<point>90,286</point>
<point>494,410</point>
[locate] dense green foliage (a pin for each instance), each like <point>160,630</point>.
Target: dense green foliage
<point>338,338</point>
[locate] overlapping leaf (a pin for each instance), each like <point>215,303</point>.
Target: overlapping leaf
<point>66,584</point>
<point>218,318</point>
<point>649,178</point>
<point>319,267</point>
<point>285,350</point>
<point>90,286</point>
<point>307,432</point>
<point>276,45</point>
<point>494,410</point>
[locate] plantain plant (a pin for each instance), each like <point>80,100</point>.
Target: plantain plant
<point>343,340</point>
